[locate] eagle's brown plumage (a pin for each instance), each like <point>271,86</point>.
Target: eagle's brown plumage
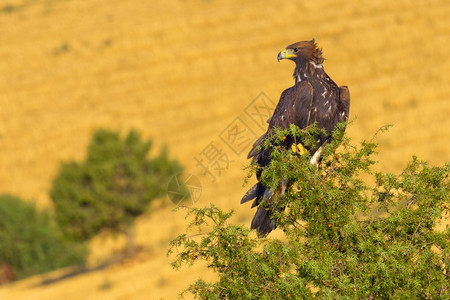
<point>314,98</point>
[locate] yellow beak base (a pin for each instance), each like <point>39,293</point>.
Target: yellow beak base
<point>286,53</point>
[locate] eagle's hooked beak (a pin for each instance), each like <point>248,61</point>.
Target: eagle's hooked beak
<point>286,53</point>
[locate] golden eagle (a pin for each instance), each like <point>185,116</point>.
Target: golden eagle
<point>315,97</point>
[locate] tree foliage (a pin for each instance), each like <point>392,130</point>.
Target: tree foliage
<point>114,185</point>
<point>343,238</point>
<point>31,242</point>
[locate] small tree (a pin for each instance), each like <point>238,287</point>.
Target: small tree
<point>112,187</point>
<point>342,238</point>
<point>31,242</point>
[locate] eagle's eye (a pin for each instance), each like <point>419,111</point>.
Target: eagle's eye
<point>295,49</point>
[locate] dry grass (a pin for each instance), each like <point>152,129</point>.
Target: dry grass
<point>180,71</point>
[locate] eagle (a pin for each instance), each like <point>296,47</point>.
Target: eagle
<point>314,98</point>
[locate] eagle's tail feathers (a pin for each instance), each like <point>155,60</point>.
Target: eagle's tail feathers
<point>257,201</point>
<point>255,148</point>
<point>262,221</point>
<point>254,192</point>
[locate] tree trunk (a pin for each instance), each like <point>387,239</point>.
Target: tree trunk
<point>131,247</point>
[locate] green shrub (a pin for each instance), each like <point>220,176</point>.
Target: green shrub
<point>343,239</point>
<point>113,186</point>
<point>30,240</point>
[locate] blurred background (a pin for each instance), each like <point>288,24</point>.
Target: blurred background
<point>188,73</point>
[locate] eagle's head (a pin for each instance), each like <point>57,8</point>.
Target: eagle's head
<point>302,52</point>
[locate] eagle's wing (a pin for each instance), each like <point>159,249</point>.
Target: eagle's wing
<point>295,107</point>
<point>344,102</point>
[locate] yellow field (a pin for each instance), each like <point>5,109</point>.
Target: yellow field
<point>180,71</point>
